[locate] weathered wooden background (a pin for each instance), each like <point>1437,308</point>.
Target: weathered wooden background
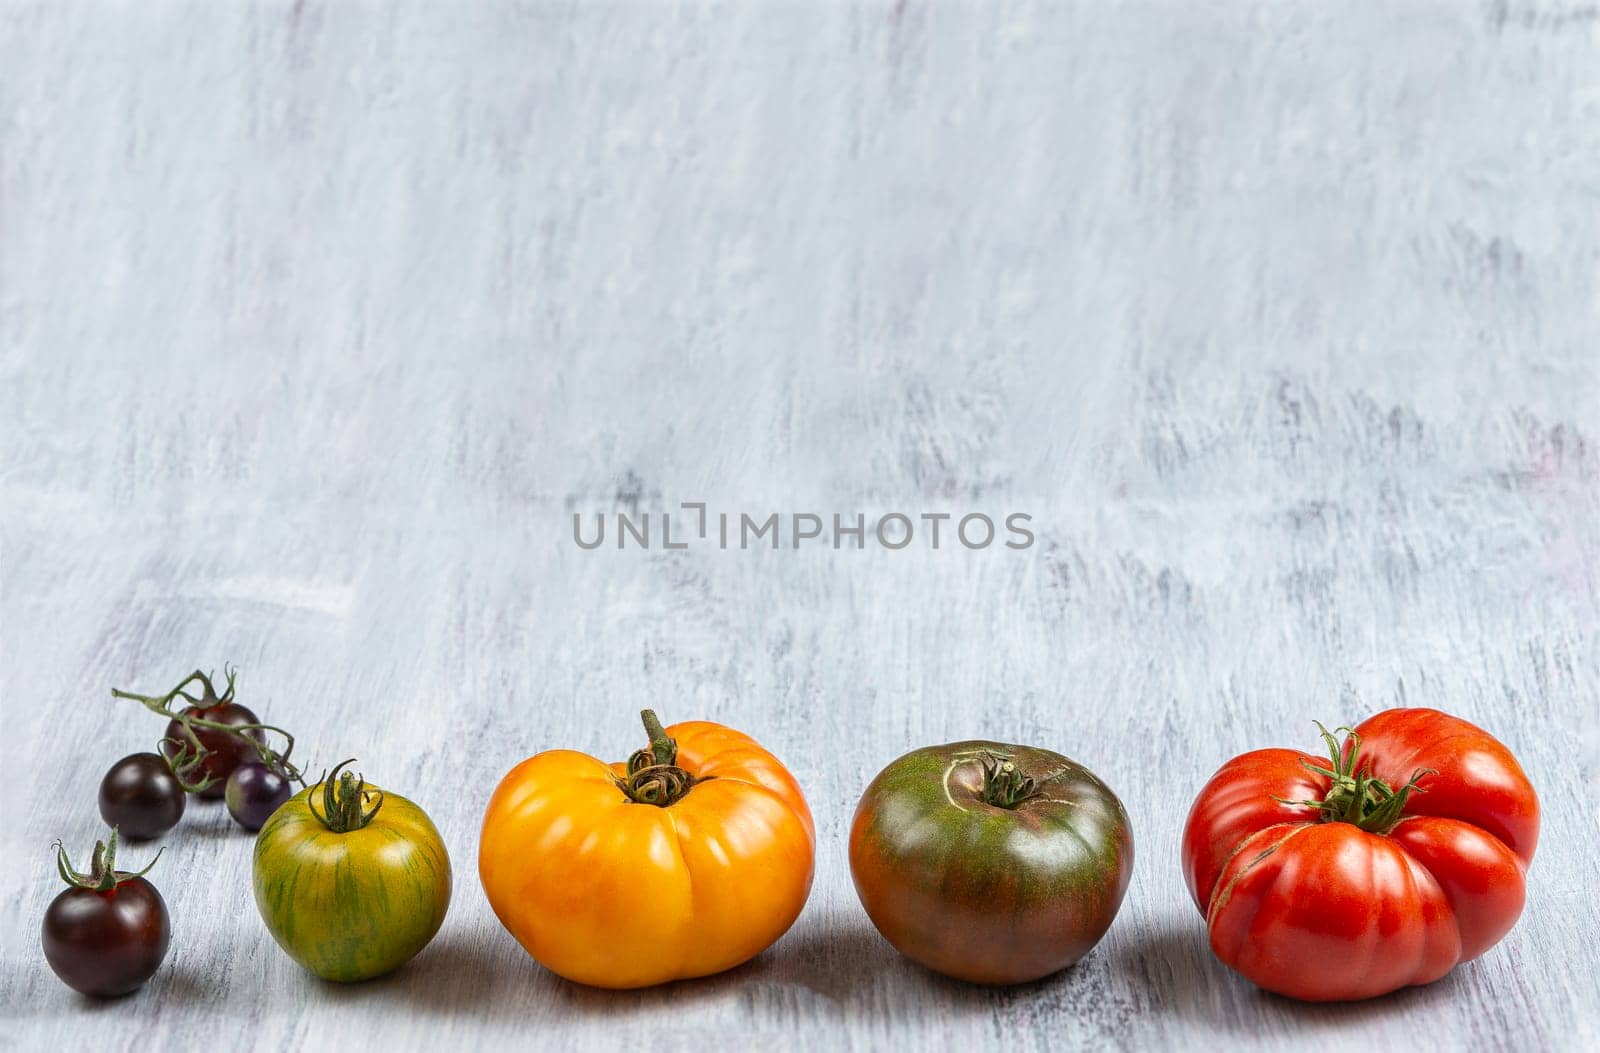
<point>319,320</point>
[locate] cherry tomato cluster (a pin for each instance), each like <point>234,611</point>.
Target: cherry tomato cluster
<point>213,747</point>
<point>107,933</point>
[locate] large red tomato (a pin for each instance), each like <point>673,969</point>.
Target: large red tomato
<point>1385,868</point>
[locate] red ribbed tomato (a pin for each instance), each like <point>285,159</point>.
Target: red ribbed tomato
<point>1385,868</point>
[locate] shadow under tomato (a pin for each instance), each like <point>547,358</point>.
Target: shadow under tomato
<point>858,975</point>
<point>180,983</point>
<point>600,1001</point>
<point>480,972</point>
<point>43,995</point>
<point>1171,969</point>
<point>487,973</point>
<point>838,961</point>
<point>1173,972</point>
<point>841,970</point>
<point>1310,1017</point>
<point>205,820</point>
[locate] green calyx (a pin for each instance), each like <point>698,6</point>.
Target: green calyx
<point>344,801</point>
<point>653,773</point>
<point>103,875</point>
<point>1004,784</point>
<point>1356,796</point>
<point>183,758</point>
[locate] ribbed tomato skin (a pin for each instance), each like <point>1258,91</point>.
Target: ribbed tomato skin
<point>612,893</point>
<point>1326,911</point>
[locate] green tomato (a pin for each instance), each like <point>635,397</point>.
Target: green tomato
<point>352,882</point>
<point>989,862</point>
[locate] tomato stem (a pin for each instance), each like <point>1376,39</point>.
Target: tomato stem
<point>1004,785</point>
<point>662,748</point>
<point>103,875</point>
<point>653,773</point>
<point>1355,795</point>
<point>189,750</point>
<point>344,800</point>
<point>182,757</point>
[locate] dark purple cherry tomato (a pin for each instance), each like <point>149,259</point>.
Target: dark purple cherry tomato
<point>254,792</point>
<point>106,935</point>
<point>224,752</point>
<point>140,796</point>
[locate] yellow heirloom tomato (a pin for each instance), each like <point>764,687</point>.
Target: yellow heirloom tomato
<point>351,881</point>
<point>690,858</point>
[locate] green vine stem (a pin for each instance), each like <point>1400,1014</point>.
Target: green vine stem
<point>1004,785</point>
<point>181,757</point>
<point>190,750</point>
<point>103,875</point>
<point>654,776</point>
<point>344,799</point>
<point>1355,795</point>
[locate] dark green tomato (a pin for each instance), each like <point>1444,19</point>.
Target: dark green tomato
<point>989,862</point>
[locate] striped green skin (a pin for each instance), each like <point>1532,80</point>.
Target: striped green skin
<point>355,905</point>
<point>983,893</point>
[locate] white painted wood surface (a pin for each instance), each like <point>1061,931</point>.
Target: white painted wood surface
<point>319,321</point>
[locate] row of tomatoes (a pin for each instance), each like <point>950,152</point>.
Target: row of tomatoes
<point>1399,854</point>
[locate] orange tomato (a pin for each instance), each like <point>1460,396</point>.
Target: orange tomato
<point>692,857</point>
